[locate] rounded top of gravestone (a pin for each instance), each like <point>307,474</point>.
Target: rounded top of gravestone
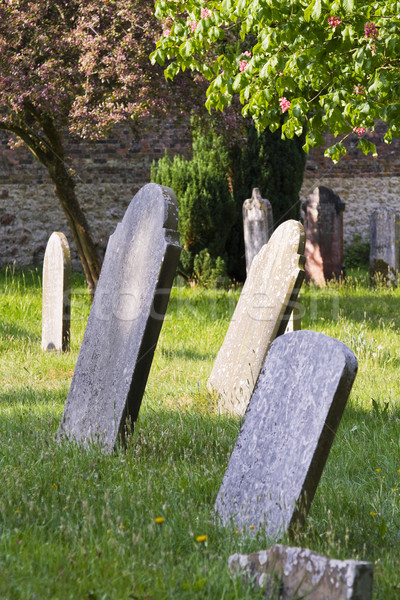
<point>383,210</point>
<point>256,201</point>
<point>324,195</point>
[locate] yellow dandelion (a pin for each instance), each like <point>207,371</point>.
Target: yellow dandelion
<point>159,520</point>
<point>378,470</point>
<point>108,530</point>
<point>373,514</point>
<point>201,538</point>
<point>237,531</point>
<point>16,512</point>
<point>252,527</point>
<point>54,485</point>
<point>395,489</point>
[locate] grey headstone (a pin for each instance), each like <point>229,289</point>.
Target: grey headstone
<point>261,314</point>
<point>287,433</point>
<point>257,225</point>
<point>301,573</point>
<point>323,224</point>
<point>56,294</point>
<point>384,245</point>
<point>125,320</point>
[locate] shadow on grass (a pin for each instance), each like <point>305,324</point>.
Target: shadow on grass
<point>11,331</point>
<point>187,354</point>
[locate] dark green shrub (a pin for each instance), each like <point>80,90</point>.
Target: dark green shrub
<point>356,254</point>
<point>206,206</point>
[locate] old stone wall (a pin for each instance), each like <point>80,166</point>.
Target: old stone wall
<point>110,172</point>
<point>108,175</point>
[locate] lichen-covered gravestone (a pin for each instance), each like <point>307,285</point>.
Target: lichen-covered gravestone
<point>287,433</point>
<point>125,321</point>
<point>257,225</point>
<point>262,313</point>
<point>384,245</point>
<point>301,573</point>
<point>323,224</point>
<point>56,294</point>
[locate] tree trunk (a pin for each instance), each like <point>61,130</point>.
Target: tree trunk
<point>65,190</point>
<point>48,147</point>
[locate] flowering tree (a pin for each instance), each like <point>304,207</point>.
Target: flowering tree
<point>77,67</point>
<point>315,64</point>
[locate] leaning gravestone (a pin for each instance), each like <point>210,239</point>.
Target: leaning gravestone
<point>323,224</point>
<point>56,294</point>
<point>384,245</point>
<point>261,314</point>
<point>257,225</point>
<point>125,320</point>
<point>287,433</point>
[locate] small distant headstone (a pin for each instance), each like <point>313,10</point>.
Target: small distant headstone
<point>323,224</point>
<point>287,433</point>
<point>301,573</point>
<point>257,225</point>
<point>56,294</point>
<point>384,245</point>
<point>125,321</point>
<point>261,314</point>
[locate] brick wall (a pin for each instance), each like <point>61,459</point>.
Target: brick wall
<point>110,172</point>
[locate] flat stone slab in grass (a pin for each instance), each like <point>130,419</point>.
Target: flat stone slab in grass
<point>56,294</point>
<point>125,320</point>
<point>261,314</point>
<point>287,433</point>
<point>301,573</point>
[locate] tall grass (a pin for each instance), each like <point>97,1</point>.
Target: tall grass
<point>82,525</point>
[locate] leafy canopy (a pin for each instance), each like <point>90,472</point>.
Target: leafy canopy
<point>317,65</point>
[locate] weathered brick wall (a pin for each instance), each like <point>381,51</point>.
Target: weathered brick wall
<point>110,172</point>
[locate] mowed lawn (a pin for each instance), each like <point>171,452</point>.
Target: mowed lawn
<point>139,524</point>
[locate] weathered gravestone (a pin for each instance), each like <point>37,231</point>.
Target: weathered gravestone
<point>301,573</point>
<point>56,294</point>
<point>287,433</point>
<point>323,224</point>
<point>262,313</point>
<point>125,320</point>
<point>384,245</point>
<point>257,225</point>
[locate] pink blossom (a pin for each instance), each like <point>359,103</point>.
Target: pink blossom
<point>166,32</point>
<point>193,25</point>
<point>370,30</point>
<point>359,130</point>
<point>205,13</point>
<point>359,89</point>
<point>285,104</point>
<point>334,21</point>
<point>242,65</point>
<point>246,53</point>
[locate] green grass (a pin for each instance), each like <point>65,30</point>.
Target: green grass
<point>80,525</point>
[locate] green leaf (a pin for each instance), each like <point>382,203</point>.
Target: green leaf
<point>348,5</point>
<point>367,147</point>
<point>171,70</point>
<point>313,11</point>
<point>335,152</point>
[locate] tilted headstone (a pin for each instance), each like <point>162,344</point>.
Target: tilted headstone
<point>384,245</point>
<point>323,224</point>
<point>261,314</point>
<point>287,433</point>
<point>56,294</point>
<point>257,225</point>
<point>301,573</point>
<point>125,320</point>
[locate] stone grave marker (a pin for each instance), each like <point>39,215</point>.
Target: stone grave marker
<point>56,294</point>
<point>287,433</point>
<point>257,225</point>
<point>323,224</point>
<point>262,313</point>
<point>301,573</point>
<point>125,321</point>
<point>384,245</point>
